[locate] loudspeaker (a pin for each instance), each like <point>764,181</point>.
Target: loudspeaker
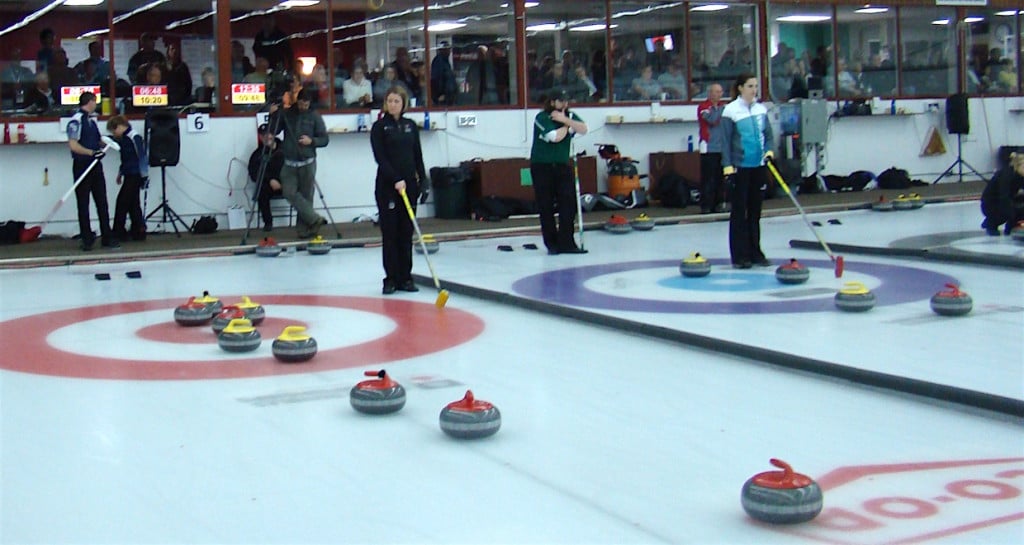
<point>957,120</point>
<point>163,138</point>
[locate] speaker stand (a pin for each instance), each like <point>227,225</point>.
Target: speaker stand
<point>169,215</point>
<point>959,164</point>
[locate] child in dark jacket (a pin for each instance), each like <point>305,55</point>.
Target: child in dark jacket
<point>133,177</point>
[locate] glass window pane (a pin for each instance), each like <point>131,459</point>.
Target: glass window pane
<point>42,52</point>
<point>807,31</point>
<point>282,49</point>
<point>867,40</point>
<point>649,51</point>
<point>723,44</point>
<point>991,52</point>
<point>565,43</point>
<point>483,50</point>
<point>928,43</point>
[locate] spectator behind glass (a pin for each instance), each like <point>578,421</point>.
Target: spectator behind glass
<point>240,65</point>
<point>102,66</point>
<point>60,74</point>
<point>443,89</point>
<point>646,87</point>
<point>178,78</point>
<point>357,91</point>
<point>673,82</point>
<point>40,99</point>
<point>15,81</point>
<point>405,73</point>
<point>272,44</point>
<point>207,90</point>
<point>259,74</point>
<point>599,73</point>
<point>385,82</point>
<point>144,56</point>
<point>45,54</point>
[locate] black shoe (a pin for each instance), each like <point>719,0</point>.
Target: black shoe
<point>705,210</point>
<point>409,286</point>
<point>1008,229</point>
<point>552,251</point>
<point>742,265</point>
<point>389,287</point>
<point>86,246</point>
<point>573,250</point>
<point>112,245</point>
<point>763,263</point>
<point>317,224</point>
<point>268,228</point>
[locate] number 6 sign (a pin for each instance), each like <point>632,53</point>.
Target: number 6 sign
<point>198,122</point>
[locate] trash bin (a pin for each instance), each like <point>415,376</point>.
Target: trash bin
<point>451,195</point>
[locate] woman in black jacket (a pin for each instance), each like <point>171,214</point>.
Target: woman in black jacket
<point>395,140</point>
<point>997,198</point>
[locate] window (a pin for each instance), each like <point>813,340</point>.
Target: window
<point>649,60</point>
<point>723,44</point>
<point>867,39</point>
<point>565,51</point>
<point>928,41</point>
<point>482,50</point>
<point>276,51</point>
<point>991,61</point>
<point>45,56</point>
<point>804,32</point>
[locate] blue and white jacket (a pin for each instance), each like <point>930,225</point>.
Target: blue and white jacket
<point>134,155</point>
<point>746,134</point>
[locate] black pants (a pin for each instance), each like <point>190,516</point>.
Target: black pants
<point>95,185</point>
<point>128,205</point>
<point>265,193</point>
<point>553,188</point>
<point>396,233</point>
<point>747,194</point>
<point>712,190</point>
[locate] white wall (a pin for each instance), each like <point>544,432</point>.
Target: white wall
<point>212,173</point>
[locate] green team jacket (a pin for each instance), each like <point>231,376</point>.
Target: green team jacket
<point>550,152</point>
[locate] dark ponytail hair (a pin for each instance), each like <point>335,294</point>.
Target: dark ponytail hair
<point>740,81</point>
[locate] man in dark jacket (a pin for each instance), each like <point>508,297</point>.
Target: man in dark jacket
<point>265,170</point>
<point>304,131</point>
<point>443,89</point>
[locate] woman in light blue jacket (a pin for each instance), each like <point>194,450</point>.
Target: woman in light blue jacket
<point>746,147</point>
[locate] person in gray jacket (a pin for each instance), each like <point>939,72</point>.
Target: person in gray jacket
<point>304,131</point>
<point>709,114</point>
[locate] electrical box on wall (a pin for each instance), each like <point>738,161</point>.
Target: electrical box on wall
<point>813,121</point>
<point>467,120</point>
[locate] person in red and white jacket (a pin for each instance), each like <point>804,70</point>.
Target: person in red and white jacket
<point>709,116</point>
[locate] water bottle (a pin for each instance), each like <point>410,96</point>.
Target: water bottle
<point>361,123</point>
<point>426,121</point>
<point>892,107</point>
<point>21,133</point>
<point>689,143</point>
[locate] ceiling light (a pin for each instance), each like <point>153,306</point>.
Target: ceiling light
<point>528,4</point>
<point>940,22</point>
<point>83,2</point>
<point>545,27</point>
<point>1009,13</point>
<point>869,10</point>
<point>445,27</point>
<point>299,3</point>
<point>803,18</point>
<point>973,19</point>
<point>591,28</point>
<point>710,7</point>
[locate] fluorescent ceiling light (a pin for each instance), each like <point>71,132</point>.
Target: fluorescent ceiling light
<point>545,27</point>
<point>299,3</point>
<point>973,19</point>
<point>83,2</point>
<point>869,10</point>
<point>445,27</point>
<point>528,4</point>
<point>1009,13</point>
<point>940,22</point>
<point>710,7</point>
<point>803,18</point>
<point>591,28</point>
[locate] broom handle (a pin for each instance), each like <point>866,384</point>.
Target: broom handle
<point>778,178</point>
<point>56,207</point>
<point>419,235</point>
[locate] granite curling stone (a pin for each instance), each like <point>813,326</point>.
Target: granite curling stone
<point>951,302</point>
<point>882,205</point>
<point>239,336</point>
<point>254,312</point>
<point>695,266</point>
<point>192,313</point>
<point>377,396</point>
<point>855,297</point>
<point>268,247</point>
<point>1017,233</point>
<point>470,418</point>
<point>915,201</point>
<point>213,304</point>
<point>781,497</point>
<point>224,317</point>
<point>902,202</point>
<point>643,222</point>
<point>318,245</point>
<point>617,224</point>
<point>293,345</point>
<point>793,272</point>
<point>430,242</point>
